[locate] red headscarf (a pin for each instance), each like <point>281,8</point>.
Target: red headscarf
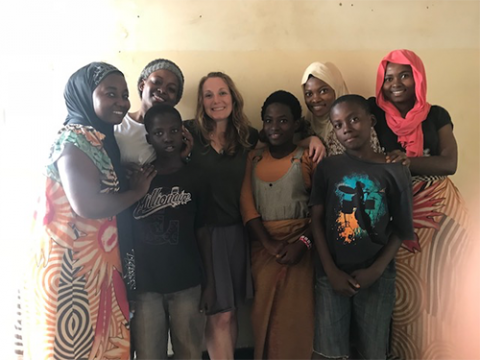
<point>408,129</point>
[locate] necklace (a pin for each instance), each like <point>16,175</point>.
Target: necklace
<point>216,143</point>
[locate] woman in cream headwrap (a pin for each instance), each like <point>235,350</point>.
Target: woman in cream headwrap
<point>322,83</point>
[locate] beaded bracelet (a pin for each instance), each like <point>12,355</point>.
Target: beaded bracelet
<point>306,241</point>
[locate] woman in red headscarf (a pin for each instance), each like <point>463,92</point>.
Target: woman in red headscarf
<point>427,266</point>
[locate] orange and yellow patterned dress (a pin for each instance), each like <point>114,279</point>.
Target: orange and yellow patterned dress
<point>73,302</point>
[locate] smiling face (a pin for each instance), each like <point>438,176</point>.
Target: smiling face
<point>160,87</point>
<point>399,84</point>
<point>217,99</point>
<point>352,125</point>
<point>319,96</point>
<point>110,99</point>
<point>279,124</point>
<point>165,134</point>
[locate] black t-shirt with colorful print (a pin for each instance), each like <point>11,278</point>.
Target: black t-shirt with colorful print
<point>364,202</point>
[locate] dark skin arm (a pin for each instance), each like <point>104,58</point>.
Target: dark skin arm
<point>292,253</point>
<point>316,149</point>
<point>342,283</point>
<point>188,140</point>
<point>443,164</point>
<point>257,231</point>
<point>366,277</point>
<point>204,241</point>
<point>286,254</point>
<point>81,182</point>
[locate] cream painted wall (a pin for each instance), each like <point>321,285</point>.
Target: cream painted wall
<point>263,44</point>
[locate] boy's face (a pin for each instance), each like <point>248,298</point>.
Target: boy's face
<point>165,135</point>
<point>278,124</point>
<point>352,125</point>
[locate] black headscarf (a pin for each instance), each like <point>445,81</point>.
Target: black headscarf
<point>79,100</point>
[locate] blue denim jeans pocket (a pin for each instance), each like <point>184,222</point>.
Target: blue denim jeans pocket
<point>362,320</point>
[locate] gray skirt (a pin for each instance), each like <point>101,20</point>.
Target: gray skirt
<point>231,267</point>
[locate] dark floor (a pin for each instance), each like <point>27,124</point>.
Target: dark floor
<point>244,354</point>
<point>240,354</point>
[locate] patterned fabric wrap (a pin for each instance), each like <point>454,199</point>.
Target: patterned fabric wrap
<point>73,302</point>
<point>428,270</point>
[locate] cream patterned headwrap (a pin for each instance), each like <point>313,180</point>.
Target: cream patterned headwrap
<point>328,73</point>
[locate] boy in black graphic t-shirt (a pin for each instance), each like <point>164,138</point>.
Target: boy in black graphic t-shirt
<point>170,236</point>
<point>361,213</point>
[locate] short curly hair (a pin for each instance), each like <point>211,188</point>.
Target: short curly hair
<point>353,99</point>
<point>285,98</point>
<point>159,110</point>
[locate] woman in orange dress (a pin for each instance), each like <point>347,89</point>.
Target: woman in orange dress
<point>73,302</point>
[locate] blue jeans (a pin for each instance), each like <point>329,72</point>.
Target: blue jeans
<point>362,320</point>
<point>157,314</point>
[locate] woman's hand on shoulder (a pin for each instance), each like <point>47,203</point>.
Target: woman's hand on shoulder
<point>140,180</point>
<point>131,168</point>
<point>316,148</point>
<point>396,156</point>
<point>188,141</point>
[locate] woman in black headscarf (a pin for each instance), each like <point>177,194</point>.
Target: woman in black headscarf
<point>73,303</point>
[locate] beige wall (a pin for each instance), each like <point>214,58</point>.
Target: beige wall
<point>263,44</point>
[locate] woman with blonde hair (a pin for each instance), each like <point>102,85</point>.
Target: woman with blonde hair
<point>222,139</point>
<point>237,131</point>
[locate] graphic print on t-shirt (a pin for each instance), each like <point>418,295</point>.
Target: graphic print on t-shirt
<point>361,207</point>
<point>156,231</point>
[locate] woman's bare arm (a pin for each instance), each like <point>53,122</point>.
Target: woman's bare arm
<point>81,182</point>
<point>443,164</point>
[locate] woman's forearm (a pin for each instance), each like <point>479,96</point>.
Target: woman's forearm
<point>433,165</point>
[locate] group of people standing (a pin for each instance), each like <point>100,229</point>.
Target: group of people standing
<point>149,224</point>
